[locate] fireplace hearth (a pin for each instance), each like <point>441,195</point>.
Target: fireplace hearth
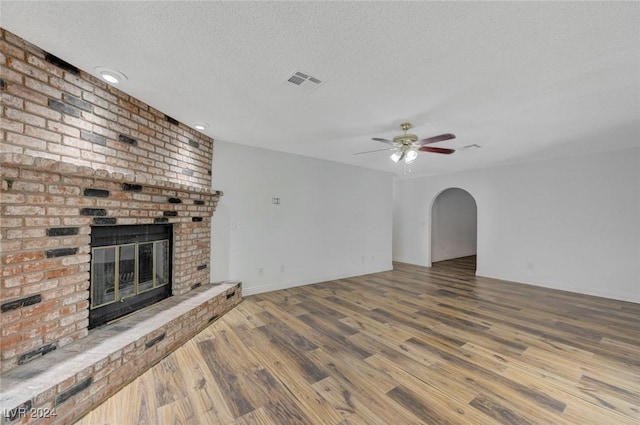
<point>79,155</point>
<point>130,269</point>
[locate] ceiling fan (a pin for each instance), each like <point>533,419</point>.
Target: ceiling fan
<point>406,146</point>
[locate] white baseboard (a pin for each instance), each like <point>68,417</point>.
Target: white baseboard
<point>604,293</point>
<point>253,290</point>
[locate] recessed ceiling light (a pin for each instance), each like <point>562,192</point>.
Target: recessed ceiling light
<point>199,125</point>
<point>110,75</point>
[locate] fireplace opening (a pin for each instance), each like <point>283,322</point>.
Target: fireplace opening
<point>130,269</point>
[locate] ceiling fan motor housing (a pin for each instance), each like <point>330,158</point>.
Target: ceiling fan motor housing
<point>405,141</point>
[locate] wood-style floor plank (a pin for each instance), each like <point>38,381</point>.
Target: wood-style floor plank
<point>414,345</point>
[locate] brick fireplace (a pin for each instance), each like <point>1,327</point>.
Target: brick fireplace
<point>76,155</point>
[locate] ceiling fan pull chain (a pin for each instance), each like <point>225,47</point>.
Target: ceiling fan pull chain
<point>407,168</point>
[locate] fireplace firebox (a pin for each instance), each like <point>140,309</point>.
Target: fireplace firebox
<point>130,269</point>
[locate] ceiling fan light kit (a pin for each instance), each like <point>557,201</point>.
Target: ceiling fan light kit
<point>406,146</point>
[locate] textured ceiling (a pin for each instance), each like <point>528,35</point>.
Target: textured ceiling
<point>524,80</point>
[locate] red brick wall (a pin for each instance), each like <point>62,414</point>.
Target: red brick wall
<point>64,135</point>
<point>52,113</point>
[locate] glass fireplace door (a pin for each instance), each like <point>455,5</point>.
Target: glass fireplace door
<point>104,271</point>
<point>123,271</point>
<point>130,269</point>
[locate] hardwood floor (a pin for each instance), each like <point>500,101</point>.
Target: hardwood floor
<point>411,346</point>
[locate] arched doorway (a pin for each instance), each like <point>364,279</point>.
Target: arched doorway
<point>454,226</point>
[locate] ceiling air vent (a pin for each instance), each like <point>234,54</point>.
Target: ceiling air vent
<point>296,80</point>
<point>470,147</point>
<point>305,81</point>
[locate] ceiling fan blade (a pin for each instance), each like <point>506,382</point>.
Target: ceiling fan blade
<point>437,150</point>
<point>388,142</point>
<point>434,139</point>
<point>377,150</point>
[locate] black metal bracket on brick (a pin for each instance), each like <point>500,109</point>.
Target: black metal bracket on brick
<point>96,193</point>
<point>202,266</point>
<point>174,200</point>
<point>194,143</point>
<point>61,252</point>
<point>104,220</point>
<point>62,397</point>
<point>154,341</point>
<point>62,231</point>
<point>198,202</point>
<point>38,352</point>
<point>196,219</point>
<point>170,213</point>
<point>93,211</point>
<point>22,302</point>
<point>231,294</point>
<point>131,187</point>
<point>160,220</point>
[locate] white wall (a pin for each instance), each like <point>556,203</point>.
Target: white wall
<point>571,224</point>
<point>453,225</point>
<point>334,220</point>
